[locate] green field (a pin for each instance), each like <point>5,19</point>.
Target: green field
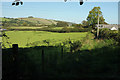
<point>26,37</point>
<point>58,28</point>
<point>24,27</point>
<point>29,27</point>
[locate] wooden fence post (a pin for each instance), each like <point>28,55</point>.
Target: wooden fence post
<point>15,62</point>
<point>43,65</point>
<point>62,52</point>
<point>70,49</point>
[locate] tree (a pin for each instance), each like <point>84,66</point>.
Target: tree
<point>30,17</point>
<point>92,18</point>
<point>84,23</point>
<point>61,24</point>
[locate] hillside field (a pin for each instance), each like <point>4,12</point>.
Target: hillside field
<point>39,20</point>
<point>24,27</point>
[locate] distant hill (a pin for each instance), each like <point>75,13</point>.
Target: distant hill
<point>39,21</point>
<point>33,22</point>
<point>4,19</point>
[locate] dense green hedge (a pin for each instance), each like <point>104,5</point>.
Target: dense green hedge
<point>108,34</point>
<point>63,30</point>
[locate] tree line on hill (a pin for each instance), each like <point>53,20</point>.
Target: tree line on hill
<point>16,22</point>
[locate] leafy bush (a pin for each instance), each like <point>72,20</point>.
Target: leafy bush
<point>75,46</point>
<point>72,45</point>
<point>107,34</point>
<point>5,40</point>
<point>30,17</point>
<point>61,24</point>
<point>47,42</point>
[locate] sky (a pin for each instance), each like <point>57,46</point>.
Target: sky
<point>69,11</point>
<point>62,0</point>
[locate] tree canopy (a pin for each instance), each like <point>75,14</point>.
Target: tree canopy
<point>92,18</point>
<point>84,23</point>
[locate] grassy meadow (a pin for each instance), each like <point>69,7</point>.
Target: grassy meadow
<point>22,38</point>
<point>44,38</point>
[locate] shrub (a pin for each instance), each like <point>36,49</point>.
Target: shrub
<point>107,34</point>
<point>5,40</point>
<point>30,17</point>
<point>47,42</point>
<point>72,45</point>
<point>61,24</point>
<point>75,46</point>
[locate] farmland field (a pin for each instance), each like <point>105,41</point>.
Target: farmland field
<point>22,27</point>
<point>22,38</point>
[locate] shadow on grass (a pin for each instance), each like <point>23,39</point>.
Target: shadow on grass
<point>95,64</point>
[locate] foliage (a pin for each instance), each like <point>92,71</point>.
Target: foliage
<point>52,25</point>
<point>92,18</point>
<point>107,34</point>
<point>61,24</point>
<point>75,46</point>
<point>47,42</point>
<point>71,45</point>
<point>77,25</point>
<point>16,22</point>
<point>30,17</point>
<point>75,29</point>
<point>5,40</point>
<point>51,29</point>
<point>84,23</point>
